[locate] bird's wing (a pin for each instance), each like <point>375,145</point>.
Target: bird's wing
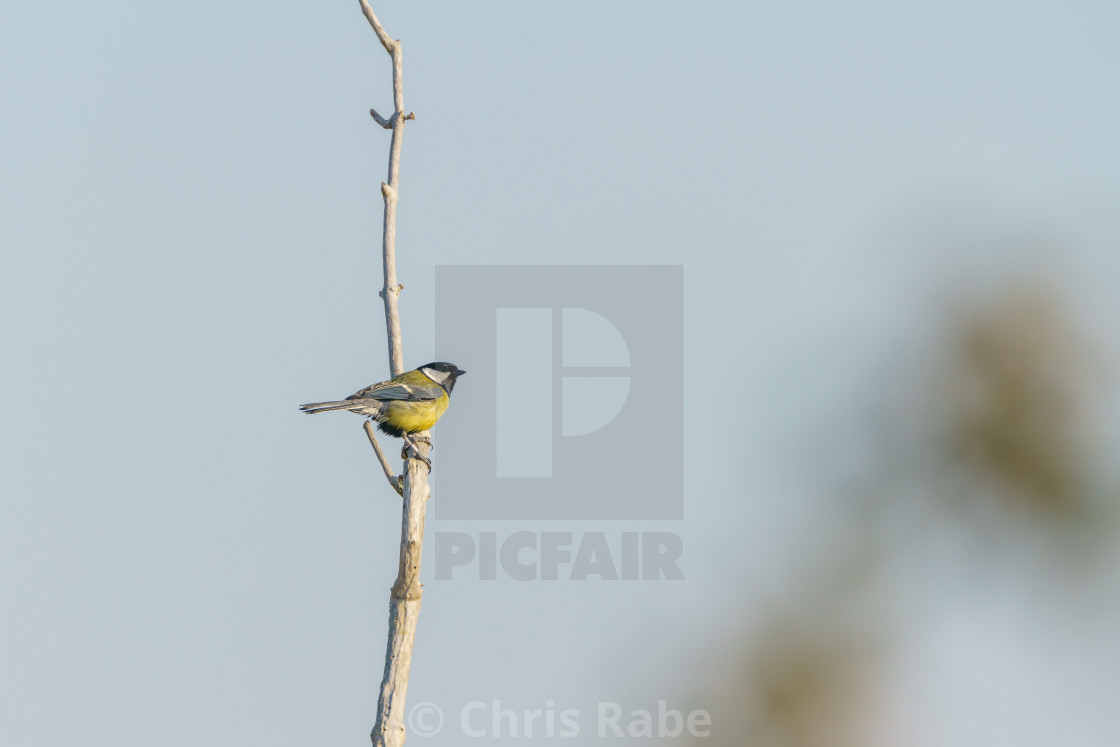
<point>387,390</point>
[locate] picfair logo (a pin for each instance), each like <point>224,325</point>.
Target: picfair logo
<point>576,411</point>
<point>587,393</point>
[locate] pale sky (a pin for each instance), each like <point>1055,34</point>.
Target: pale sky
<point>191,220</point>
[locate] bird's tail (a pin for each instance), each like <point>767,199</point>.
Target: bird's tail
<point>315,407</point>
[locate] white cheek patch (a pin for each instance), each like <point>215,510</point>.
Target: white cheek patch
<point>434,375</point>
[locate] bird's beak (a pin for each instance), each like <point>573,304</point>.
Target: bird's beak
<point>459,372</point>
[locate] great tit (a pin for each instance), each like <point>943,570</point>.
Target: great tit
<point>403,405</point>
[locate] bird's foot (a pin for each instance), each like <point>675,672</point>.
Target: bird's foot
<point>415,453</point>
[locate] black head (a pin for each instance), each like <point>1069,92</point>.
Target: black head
<point>443,374</point>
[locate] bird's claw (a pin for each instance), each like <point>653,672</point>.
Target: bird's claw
<point>411,444</point>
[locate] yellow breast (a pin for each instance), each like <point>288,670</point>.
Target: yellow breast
<point>411,417</point>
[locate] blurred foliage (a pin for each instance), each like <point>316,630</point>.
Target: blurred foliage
<point>804,675</point>
<point>1002,428</point>
<point>799,685</point>
<point>1017,399</point>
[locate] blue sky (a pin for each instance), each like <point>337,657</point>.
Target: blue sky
<point>191,218</point>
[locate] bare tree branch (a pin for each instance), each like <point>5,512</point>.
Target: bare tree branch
<point>404,610</point>
<point>396,481</point>
<point>378,29</point>
<point>388,123</point>
<point>404,599</point>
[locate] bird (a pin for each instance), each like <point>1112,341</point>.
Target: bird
<point>404,405</point>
